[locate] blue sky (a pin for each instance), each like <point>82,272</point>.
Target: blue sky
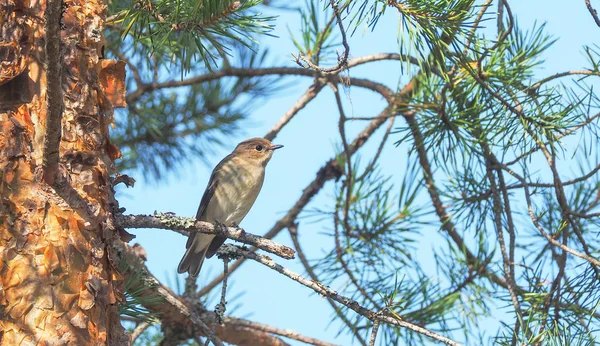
<point>310,140</point>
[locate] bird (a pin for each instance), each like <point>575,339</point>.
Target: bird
<point>232,189</point>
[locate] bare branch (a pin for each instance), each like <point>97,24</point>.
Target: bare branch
<point>54,96</point>
<point>139,329</point>
<point>277,331</point>
<point>293,229</point>
<point>538,84</point>
<point>308,96</point>
<point>385,56</point>
<point>254,72</point>
<point>231,250</point>
<point>184,226</point>
<point>593,12</point>
<point>222,306</point>
<point>374,333</point>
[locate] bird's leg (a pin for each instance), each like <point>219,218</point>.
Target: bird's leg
<point>221,226</point>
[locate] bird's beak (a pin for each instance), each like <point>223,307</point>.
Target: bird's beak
<point>276,146</point>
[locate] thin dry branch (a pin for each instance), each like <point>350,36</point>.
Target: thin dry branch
<point>231,250</point>
<point>254,72</point>
<point>139,329</point>
<point>593,12</point>
<point>125,254</point>
<point>374,333</point>
<point>308,96</point>
<point>222,305</point>
<point>54,98</point>
<point>385,56</point>
<point>342,60</point>
<point>293,229</point>
<point>183,225</point>
<point>277,331</point>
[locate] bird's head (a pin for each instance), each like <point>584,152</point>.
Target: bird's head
<point>256,150</point>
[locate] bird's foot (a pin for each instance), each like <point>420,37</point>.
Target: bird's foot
<point>221,226</point>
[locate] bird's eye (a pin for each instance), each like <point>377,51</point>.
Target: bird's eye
<point>259,147</point>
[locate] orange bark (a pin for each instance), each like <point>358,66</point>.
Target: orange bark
<point>58,285</point>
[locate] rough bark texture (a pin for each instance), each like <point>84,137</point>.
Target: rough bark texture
<point>58,285</point>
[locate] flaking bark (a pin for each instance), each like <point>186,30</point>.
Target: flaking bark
<point>57,282</point>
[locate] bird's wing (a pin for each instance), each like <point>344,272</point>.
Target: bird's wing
<point>210,189</point>
<point>208,193</point>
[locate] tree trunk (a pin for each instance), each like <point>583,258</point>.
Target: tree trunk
<point>58,285</point>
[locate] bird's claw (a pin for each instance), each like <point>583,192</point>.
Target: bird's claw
<point>220,225</point>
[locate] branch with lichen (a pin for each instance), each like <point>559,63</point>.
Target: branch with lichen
<point>233,251</point>
<point>186,225</point>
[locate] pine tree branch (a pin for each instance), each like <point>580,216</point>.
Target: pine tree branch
<point>342,60</point>
<point>254,72</point>
<point>173,310</point>
<point>293,230</point>
<point>230,250</point>
<point>183,225</point>
<point>190,316</point>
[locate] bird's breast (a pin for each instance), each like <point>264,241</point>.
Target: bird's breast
<point>235,194</point>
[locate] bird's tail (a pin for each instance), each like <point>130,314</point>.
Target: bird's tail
<point>192,260</point>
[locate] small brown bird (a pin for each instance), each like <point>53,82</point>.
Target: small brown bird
<point>231,192</point>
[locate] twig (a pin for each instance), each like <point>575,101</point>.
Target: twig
<point>342,61</point>
<point>254,72</point>
<point>446,222</point>
<point>184,226</point>
<point>349,175</point>
<point>316,286</point>
<point>139,329</point>
<point>293,229</point>
<point>371,164</point>
<point>593,12</point>
<point>308,96</point>
<point>54,98</point>
<point>386,56</point>
<point>507,259</point>
<point>222,306</point>
<point>277,331</point>
<point>537,225</point>
<point>564,134</point>
<point>561,75</point>
<point>374,333</point>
